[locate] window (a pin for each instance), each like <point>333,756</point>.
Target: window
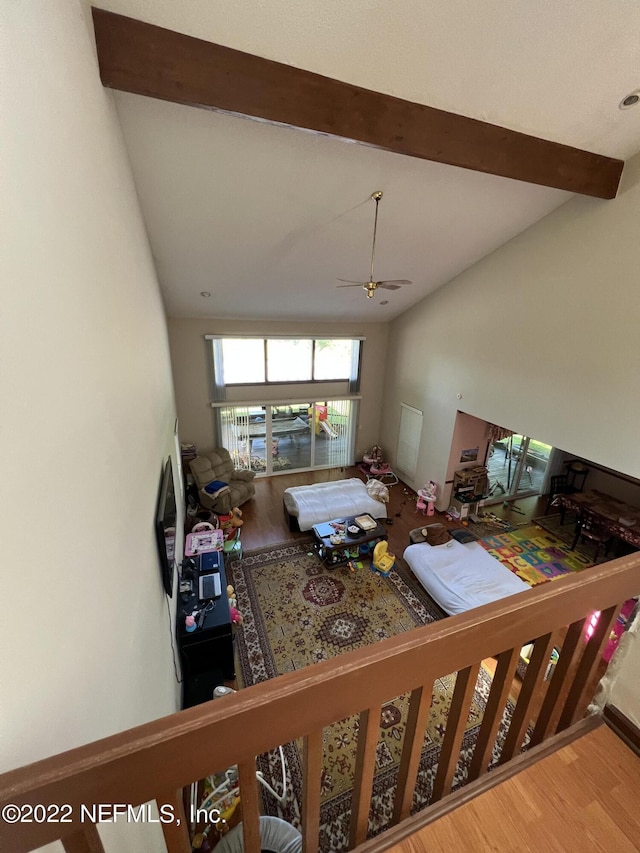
<point>268,428</point>
<point>289,360</point>
<point>270,439</point>
<point>263,361</point>
<point>247,357</point>
<point>333,359</point>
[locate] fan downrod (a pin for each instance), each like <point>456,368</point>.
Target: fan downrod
<point>372,285</point>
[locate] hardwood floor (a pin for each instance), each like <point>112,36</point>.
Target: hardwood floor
<point>265,522</point>
<point>582,798</point>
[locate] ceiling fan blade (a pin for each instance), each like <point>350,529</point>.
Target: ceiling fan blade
<point>351,281</point>
<point>397,281</point>
<point>353,284</point>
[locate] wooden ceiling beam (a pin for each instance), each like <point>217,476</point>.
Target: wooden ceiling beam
<point>148,60</point>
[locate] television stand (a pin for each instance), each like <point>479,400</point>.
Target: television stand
<point>206,654</point>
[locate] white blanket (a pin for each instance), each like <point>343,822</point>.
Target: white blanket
<point>325,501</point>
<point>459,577</point>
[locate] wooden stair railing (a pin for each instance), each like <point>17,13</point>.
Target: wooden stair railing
<point>156,760</point>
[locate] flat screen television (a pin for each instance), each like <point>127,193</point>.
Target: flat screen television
<point>166,517</point>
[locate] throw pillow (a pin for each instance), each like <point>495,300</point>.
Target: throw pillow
<point>216,487</point>
<point>463,536</point>
<point>437,534</point>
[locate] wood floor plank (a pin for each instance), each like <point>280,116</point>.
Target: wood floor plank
<point>583,798</point>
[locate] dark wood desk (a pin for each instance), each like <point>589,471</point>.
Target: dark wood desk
<point>609,510</point>
<point>206,654</point>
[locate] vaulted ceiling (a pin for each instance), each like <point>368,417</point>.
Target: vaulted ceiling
<point>266,216</point>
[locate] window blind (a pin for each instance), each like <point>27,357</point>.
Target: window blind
<point>409,440</point>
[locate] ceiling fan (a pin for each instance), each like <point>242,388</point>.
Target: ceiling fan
<point>371,286</point>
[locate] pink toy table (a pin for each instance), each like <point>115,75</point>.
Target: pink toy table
<point>200,543</point>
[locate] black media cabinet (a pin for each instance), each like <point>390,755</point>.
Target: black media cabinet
<point>206,654</point>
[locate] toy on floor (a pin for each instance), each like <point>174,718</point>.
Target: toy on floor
<point>230,522</point>
<point>373,457</point>
<point>374,466</point>
<point>236,616</point>
<point>494,519</point>
<point>426,499</point>
<point>383,560</point>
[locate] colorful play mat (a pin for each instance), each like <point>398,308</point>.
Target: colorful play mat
<point>536,555</point>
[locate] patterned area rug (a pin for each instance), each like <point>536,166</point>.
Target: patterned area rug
<point>296,613</point>
<point>536,555</point>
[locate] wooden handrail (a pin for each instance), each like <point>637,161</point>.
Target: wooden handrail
<point>165,755</point>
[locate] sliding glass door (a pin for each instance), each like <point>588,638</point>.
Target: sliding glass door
<point>517,467</point>
<point>301,436</point>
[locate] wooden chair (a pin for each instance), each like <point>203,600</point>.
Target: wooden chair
<point>591,527</point>
<point>576,475</point>
<point>559,485</point>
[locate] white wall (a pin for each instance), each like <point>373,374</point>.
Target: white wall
<point>87,405</point>
<point>468,433</point>
<point>540,337</point>
<point>623,690</point>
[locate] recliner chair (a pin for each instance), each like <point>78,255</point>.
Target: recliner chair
<point>217,465</point>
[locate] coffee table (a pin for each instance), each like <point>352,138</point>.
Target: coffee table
<point>335,554</point>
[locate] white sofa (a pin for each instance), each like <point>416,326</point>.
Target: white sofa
<point>319,502</point>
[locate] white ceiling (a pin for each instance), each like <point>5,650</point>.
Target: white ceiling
<point>266,218</point>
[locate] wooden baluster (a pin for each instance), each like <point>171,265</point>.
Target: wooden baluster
<point>368,733</point>
<point>551,699</point>
<point>531,687</point>
<point>417,718</point>
<point>312,757</point>
<point>86,840</point>
<point>176,833</point>
<point>250,806</point>
<point>458,715</point>
<point>581,691</point>
<point>492,717</point>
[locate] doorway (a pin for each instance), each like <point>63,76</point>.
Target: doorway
<point>517,468</point>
